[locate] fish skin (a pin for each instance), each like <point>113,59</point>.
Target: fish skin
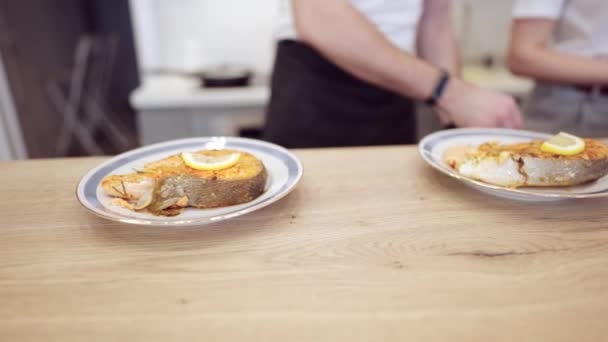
<point>205,193</point>
<point>543,172</point>
<point>525,164</point>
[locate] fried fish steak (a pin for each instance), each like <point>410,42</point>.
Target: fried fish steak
<point>164,187</point>
<point>525,164</point>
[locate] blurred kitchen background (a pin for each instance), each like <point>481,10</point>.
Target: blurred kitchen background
<point>92,77</point>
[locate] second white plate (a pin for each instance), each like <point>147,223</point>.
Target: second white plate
<point>433,146</point>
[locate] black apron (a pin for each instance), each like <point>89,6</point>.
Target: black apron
<point>314,103</point>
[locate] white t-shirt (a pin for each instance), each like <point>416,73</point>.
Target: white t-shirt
<point>397,19</point>
<point>582,25</point>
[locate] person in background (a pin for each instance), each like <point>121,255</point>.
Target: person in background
<point>563,45</point>
<point>346,73</point>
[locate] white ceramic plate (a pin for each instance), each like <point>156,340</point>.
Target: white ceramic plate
<point>433,146</point>
<point>284,171</point>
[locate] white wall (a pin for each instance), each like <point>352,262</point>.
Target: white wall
<point>483,26</point>
<point>186,34</point>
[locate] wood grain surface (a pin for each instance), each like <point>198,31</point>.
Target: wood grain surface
<point>373,245</point>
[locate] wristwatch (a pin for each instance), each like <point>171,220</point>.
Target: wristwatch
<point>439,88</point>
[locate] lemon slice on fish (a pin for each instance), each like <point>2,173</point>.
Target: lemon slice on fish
<point>564,144</point>
<point>205,162</point>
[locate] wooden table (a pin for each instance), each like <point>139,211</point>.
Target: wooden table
<point>373,245</point>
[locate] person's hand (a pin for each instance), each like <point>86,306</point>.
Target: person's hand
<point>469,106</point>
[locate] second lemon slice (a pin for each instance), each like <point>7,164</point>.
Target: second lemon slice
<point>208,162</point>
<point>564,144</point>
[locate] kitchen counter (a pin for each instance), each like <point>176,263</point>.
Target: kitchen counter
<point>498,79</point>
<point>174,91</point>
<point>175,106</point>
<point>385,249</point>
<point>167,91</point>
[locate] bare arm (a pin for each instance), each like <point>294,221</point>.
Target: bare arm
<point>530,56</point>
<point>436,40</point>
<point>347,38</point>
<point>350,40</point>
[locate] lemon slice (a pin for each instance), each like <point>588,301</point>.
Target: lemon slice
<point>564,144</point>
<point>204,162</point>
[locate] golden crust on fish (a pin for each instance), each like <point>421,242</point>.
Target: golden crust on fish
<point>164,187</point>
<point>594,150</point>
<point>247,166</point>
<point>525,164</point>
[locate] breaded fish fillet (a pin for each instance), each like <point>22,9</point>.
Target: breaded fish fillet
<point>165,186</point>
<point>524,164</point>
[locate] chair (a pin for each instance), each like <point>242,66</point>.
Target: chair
<point>82,100</point>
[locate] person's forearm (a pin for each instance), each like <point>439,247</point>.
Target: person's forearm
<point>348,39</point>
<point>436,40</point>
<point>531,55</point>
<point>548,65</point>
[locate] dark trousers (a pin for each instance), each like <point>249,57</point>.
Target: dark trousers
<point>314,103</point>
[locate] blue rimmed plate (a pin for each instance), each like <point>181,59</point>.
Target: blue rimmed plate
<point>284,172</point>
<point>433,147</point>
